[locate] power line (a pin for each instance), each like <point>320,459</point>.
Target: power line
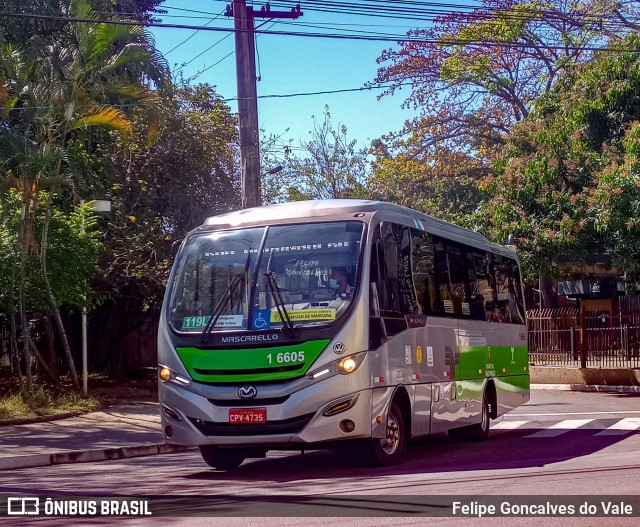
<point>230,99</point>
<point>193,34</point>
<point>399,39</point>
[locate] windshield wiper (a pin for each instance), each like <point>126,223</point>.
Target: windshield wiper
<point>272,286</point>
<point>239,279</point>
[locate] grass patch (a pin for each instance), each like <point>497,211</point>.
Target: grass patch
<point>41,402</point>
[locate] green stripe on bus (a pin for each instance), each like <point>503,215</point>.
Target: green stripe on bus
<point>491,361</point>
<point>251,364</point>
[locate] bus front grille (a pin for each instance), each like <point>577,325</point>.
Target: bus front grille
<point>287,426</point>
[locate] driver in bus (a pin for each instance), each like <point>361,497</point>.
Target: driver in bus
<point>339,283</point>
<point>340,288</point>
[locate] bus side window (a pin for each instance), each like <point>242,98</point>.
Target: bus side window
<point>451,275</point>
<point>389,264</point>
<point>481,285</point>
<point>424,273</point>
<point>508,286</point>
<point>458,281</point>
<point>392,263</point>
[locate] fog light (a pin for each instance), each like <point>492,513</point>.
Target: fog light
<point>347,425</point>
<point>168,431</point>
<point>165,374</point>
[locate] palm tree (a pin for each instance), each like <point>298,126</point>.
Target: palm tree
<point>81,80</point>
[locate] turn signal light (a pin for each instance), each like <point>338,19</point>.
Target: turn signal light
<point>165,374</point>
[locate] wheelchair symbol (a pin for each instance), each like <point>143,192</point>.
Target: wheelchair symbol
<point>259,320</point>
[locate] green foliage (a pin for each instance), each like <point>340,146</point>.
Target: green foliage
<point>162,190</point>
<point>74,246</point>
<point>473,75</point>
<point>567,184</point>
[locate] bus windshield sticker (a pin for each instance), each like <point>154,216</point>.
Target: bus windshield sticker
<point>261,319</point>
<point>224,321</point>
<point>306,314</point>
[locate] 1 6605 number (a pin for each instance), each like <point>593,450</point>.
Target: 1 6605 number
<point>286,357</point>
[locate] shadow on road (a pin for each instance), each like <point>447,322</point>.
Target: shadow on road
<point>510,449</point>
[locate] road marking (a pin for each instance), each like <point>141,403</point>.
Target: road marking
<point>621,427</point>
<point>508,425</point>
<point>561,428</point>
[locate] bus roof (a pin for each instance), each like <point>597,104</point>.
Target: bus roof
<point>334,208</point>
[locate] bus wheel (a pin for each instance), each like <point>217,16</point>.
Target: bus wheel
<point>477,432</point>
<point>222,458</point>
<point>389,450</point>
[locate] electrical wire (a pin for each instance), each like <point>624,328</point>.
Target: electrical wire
<point>192,34</point>
<point>223,99</point>
<point>400,40</point>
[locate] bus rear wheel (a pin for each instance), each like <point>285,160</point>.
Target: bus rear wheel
<point>222,458</point>
<point>390,450</point>
<point>477,432</point>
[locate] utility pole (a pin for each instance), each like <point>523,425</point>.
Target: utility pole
<point>244,28</point>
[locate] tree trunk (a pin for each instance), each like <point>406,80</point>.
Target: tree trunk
<point>43,363</point>
<point>15,357</point>
<point>22,243</point>
<point>52,300</point>
<point>49,353</point>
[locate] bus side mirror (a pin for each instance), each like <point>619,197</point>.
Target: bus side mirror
<point>175,247</point>
<point>374,302</point>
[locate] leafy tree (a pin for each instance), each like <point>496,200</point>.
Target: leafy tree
<point>54,95</point>
<point>473,75</point>
<point>424,184</point>
<point>331,168</point>
<point>159,192</point>
<point>567,185</point>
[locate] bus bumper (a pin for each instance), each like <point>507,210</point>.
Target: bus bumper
<point>193,419</point>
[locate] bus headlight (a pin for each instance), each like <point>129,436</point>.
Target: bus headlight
<point>347,365</point>
<point>344,366</point>
<point>167,375</point>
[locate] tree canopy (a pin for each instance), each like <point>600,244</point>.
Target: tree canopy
<point>567,184</point>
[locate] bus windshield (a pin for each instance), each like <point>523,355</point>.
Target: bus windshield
<point>242,280</point>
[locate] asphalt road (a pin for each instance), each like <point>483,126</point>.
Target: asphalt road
<point>560,444</point>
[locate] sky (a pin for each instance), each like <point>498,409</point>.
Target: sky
<point>291,65</point>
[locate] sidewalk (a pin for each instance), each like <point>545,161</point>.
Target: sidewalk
<point>116,432</point>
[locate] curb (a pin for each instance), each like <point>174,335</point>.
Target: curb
<point>84,456</point>
<point>39,419</point>
<point>603,388</point>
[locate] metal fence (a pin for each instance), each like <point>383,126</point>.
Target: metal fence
<point>608,339</point>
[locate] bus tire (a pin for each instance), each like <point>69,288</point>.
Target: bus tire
<point>222,458</point>
<point>477,432</point>
<point>388,451</point>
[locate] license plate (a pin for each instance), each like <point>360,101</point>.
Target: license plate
<point>240,416</point>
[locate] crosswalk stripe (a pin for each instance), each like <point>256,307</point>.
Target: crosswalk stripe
<point>560,428</point>
<point>621,427</point>
<point>508,425</point>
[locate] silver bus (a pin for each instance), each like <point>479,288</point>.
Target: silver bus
<point>317,324</point>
